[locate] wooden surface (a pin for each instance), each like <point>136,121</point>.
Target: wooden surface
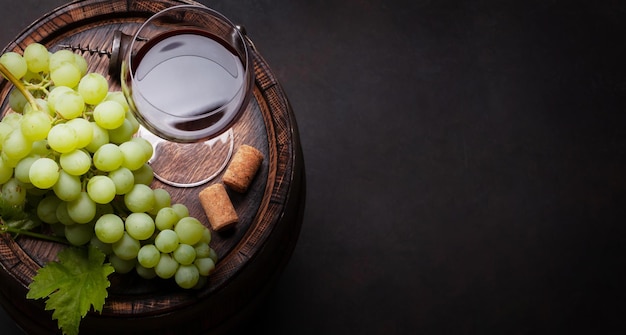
<point>251,255</point>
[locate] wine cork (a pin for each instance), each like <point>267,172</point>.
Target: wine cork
<point>218,207</point>
<point>242,168</point>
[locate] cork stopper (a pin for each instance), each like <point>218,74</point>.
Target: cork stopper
<point>218,207</point>
<point>242,168</point>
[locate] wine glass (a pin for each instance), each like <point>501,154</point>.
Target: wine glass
<point>187,75</point>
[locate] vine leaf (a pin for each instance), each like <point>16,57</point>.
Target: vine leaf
<point>73,285</point>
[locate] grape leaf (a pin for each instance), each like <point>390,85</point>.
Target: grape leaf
<point>78,281</point>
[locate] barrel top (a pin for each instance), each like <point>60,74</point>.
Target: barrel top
<point>267,124</point>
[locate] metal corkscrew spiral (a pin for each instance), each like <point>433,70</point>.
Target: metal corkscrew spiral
<point>120,43</point>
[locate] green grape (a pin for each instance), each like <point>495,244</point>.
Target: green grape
<point>63,216</point>
<point>81,64</point>
<point>146,273</point>
<point>37,57</point>
<point>122,134</point>
<point>213,255</point>
<point>93,87</point>
<point>122,265</point>
<point>166,241</point>
<point>184,254</point>
<point>59,57</point>
<point>187,276</point>
<point>5,130</point>
<point>134,155</point>
<point>15,63</point>
<point>118,97</point>
<point>123,179</point>
<point>13,192</point>
<point>22,169</point>
<point>206,236</point>
<point>166,267</point>
<point>62,138</point>
<point>146,145</point>
<point>16,146</point>
<point>12,119</point>
<point>139,199</point>
<point>106,248</point>
<point>10,162</point>
<point>148,256</point>
<point>162,199</point>
<point>126,247</point>
<point>54,94</point>
<point>109,228</point>
<point>79,234</point>
<point>35,125</point>
<point>181,210</point>
<point>66,74</point>
<point>83,129</point>
<point>82,209</point>
<point>40,148</point>
<point>69,105</point>
<point>204,265</point>
<point>166,218</point>
<point>17,101</point>
<point>100,137</point>
<point>76,162</point>
<point>144,175</point>
<point>189,230</point>
<point>6,172</point>
<point>133,121</point>
<point>46,209</point>
<point>44,173</point>
<point>101,189</point>
<point>68,187</point>
<point>109,114</point>
<point>108,157</point>
<point>203,249</point>
<point>140,226</point>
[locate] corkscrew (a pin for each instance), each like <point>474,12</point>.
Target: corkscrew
<point>119,45</point>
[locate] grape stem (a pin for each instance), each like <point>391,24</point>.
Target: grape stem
<point>41,86</point>
<point>18,84</point>
<point>6,229</point>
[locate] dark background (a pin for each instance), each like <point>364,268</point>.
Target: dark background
<point>465,162</point>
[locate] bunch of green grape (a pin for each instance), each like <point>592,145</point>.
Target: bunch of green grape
<point>74,159</point>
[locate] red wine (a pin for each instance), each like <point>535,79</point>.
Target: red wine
<point>188,86</point>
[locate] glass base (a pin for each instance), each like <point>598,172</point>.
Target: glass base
<point>189,164</point>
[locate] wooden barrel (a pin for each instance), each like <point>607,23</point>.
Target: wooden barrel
<point>251,255</point>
